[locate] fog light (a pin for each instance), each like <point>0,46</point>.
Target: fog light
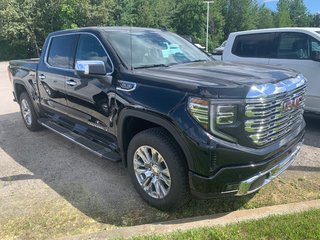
<point>232,188</point>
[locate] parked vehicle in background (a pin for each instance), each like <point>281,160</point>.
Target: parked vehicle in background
<point>217,53</point>
<point>219,50</point>
<point>294,48</point>
<point>181,122</point>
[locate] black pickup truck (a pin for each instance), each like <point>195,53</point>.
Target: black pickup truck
<point>182,123</point>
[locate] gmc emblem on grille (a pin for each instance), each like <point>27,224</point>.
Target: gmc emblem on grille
<point>291,104</point>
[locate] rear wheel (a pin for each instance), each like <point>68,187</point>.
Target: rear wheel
<point>28,113</point>
<point>158,170</point>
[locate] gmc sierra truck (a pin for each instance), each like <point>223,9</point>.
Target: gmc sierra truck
<point>181,123</point>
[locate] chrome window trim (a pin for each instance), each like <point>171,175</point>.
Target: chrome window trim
<point>74,33</point>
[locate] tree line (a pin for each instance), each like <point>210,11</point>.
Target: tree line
<point>24,24</point>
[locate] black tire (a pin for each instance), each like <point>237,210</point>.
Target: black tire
<point>159,140</point>
<point>31,120</point>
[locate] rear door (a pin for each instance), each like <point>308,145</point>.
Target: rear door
<point>91,99</point>
<point>296,51</point>
<point>56,65</point>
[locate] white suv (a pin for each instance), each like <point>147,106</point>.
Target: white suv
<point>295,48</point>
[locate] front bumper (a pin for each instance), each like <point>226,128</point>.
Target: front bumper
<point>256,182</point>
<point>244,179</point>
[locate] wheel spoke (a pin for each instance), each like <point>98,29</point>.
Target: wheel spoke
<point>154,155</point>
<point>138,163</point>
<point>158,189</point>
<point>147,184</point>
<point>143,157</point>
<point>165,179</point>
<point>141,170</point>
<point>165,172</point>
<point>147,154</point>
<point>163,189</point>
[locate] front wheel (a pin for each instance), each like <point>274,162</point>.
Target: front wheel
<point>158,170</point>
<point>28,113</point>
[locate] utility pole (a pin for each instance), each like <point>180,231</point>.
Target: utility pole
<point>208,10</point>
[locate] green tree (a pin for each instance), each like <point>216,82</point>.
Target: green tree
<point>283,18</point>
<point>240,15</point>
<point>265,18</point>
<point>143,13</point>
<point>217,24</point>
<point>299,14</point>
<point>19,23</point>
<point>26,23</point>
<point>316,20</point>
<point>189,18</point>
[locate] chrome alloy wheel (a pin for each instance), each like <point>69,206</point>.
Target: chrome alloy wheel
<point>152,172</point>
<point>26,112</point>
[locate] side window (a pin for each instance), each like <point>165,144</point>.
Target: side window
<point>89,48</point>
<point>261,45</point>
<point>62,51</point>
<point>315,49</point>
<point>294,46</point>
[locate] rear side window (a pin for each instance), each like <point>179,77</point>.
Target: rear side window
<point>261,45</point>
<point>62,51</point>
<point>294,46</point>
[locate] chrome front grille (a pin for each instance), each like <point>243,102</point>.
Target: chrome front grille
<point>272,115</point>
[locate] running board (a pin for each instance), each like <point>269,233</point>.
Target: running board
<point>92,146</point>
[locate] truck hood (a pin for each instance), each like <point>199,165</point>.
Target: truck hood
<point>213,79</point>
<point>216,73</point>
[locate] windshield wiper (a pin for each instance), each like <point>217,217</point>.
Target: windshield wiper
<point>152,66</point>
<point>199,60</point>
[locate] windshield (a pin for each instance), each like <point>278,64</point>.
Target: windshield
<point>152,48</point>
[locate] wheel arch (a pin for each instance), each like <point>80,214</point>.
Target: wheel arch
<point>20,87</point>
<point>142,121</point>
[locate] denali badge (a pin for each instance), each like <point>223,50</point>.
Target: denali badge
<point>291,104</point>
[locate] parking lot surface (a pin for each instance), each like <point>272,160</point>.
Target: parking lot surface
<point>41,171</point>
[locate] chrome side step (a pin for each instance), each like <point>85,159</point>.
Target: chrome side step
<point>92,146</point>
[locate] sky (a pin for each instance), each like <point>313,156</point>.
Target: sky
<point>312,5</point>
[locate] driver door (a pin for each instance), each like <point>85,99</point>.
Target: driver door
<point>90,98</point>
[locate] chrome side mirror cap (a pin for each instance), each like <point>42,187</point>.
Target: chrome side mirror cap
<point>90,67</point>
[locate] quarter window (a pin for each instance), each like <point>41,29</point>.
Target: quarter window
<point>255,45</point>
<point>62,51</point>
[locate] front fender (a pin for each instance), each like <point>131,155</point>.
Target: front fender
<point>158,120</point>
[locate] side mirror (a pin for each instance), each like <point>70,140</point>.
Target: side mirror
<point>315,56</point>
<point>90,67</point>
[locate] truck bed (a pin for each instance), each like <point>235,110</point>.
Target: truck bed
<point>26,64</point>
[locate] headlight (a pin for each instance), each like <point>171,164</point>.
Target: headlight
<point>199,109</point>
<point>214,116</point>
<point>225,114</point>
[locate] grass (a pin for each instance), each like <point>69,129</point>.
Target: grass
<point>51,220</point>
<point>59,218</point>
<point>299,226</point>
<point>288,188</point>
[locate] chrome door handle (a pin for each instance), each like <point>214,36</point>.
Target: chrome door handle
<point>42,76</point>
<point>71,82</point>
